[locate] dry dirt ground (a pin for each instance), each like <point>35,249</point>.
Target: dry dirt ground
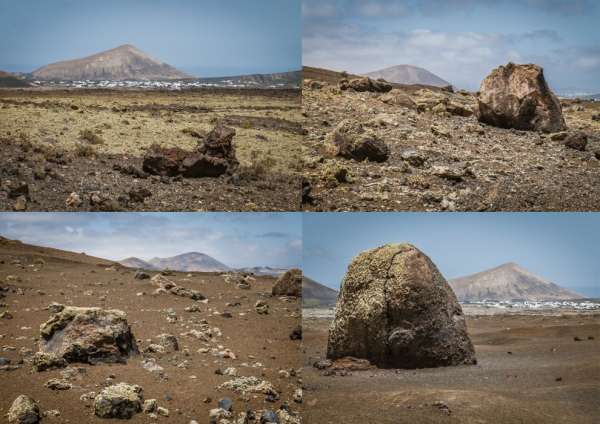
<point>492,169</point>
<point>41,137</point>
<point>261,343</point>
<point>530,370</point>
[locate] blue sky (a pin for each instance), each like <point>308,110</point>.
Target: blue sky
<point>236,239</point>
<point>459,40</point>
<point>205,38</point>
<point>561,247</point>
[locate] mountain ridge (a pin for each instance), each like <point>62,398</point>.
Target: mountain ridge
<point>409,75</point>
<point>317,295</point>
<point>120,63</point>
<point>508,281</point>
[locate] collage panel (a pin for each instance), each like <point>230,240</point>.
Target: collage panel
<point>432,105</point>
<point>451,318</point>
<point>165,106</point>
<point>189,318</point>
<point>299,211</point>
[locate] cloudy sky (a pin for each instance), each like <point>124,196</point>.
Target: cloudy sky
<point>236,239</point>
<point>205,38</point>
<point>458,40</point>
<point>561,247</point>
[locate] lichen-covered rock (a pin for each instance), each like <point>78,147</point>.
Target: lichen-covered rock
<point>119,401</point>
<point>24,410</point>
<point>289,284</point>
<point>350,140</point>
<point>517,96</point>
<point>42,361</point>
<point>88,335</point>
<point>244,385</point>
<point>396,310</point>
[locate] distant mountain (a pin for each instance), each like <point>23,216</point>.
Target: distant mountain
<point>409,75</point>
<point>280,79</point>
<point>8,80</point>
<point>121,63</point>
<point>136,263</point>
<point>190,262</point>
<point>263,270</point>
<point>508,282</point>
<point>316,295</point>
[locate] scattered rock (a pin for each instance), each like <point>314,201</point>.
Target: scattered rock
<point>365,84</point>
<point>141,275</point>
<point>73,201</point>
<point>350,140</point>
<point>58,384</point>
<point>24,410</point>
<point>119,401</point>
<point>289,284</point>
<point>517,96</point>
<point>88,335</point>
<point>261,307</point>
<point>396,310</point>
<point>296,333</point>
<point>576,140</point>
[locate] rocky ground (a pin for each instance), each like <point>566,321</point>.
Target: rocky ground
<point>237,338</point>
<point>533,369</point>
<point>440,157</point>
<point>58,142</point>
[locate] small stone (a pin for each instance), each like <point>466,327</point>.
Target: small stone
<point>58,384</point>
<point>164,412</point>
<point>73,201</point>
<point>262,307</point>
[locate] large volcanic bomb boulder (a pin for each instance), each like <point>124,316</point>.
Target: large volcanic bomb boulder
<point>88,335</point>
<point>289,284</point>
<point>396,310</point>
<point>215,156</point>
<point>517,96</point>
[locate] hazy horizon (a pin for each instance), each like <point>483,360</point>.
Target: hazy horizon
<point>208,39</point>
<point>236,239</point>
<point>460,41</point>
<point>559,247</point>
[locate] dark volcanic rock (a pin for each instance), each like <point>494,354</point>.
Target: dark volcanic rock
<point>396,310</point>
<point>517,96</point>
<point>215,156</point>
<point>289,284</point>
<point>164,161</point>
<point>88,335</point>
<point>576,140</point>
<point>366,84</point>
<point>351,141</point>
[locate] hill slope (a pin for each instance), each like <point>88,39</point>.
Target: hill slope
<point>409,75</point>
<point>19,249</point>
<point>121,63</point>
<point>316,295</point>
<point>8,80</point>
<point>508,282</point>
